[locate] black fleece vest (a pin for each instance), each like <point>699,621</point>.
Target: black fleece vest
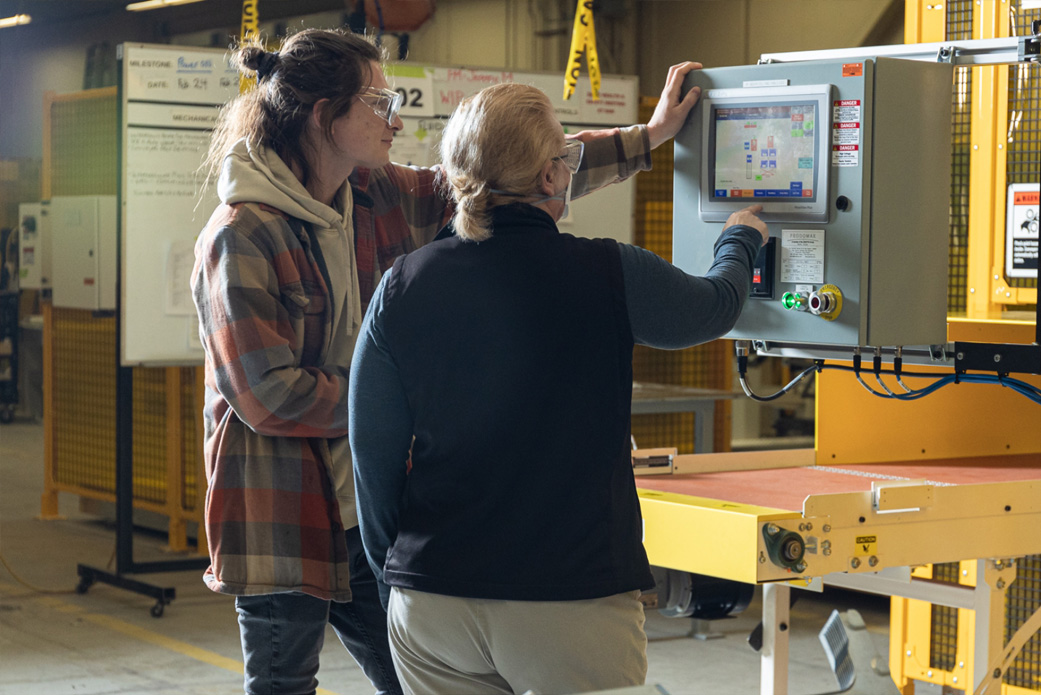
<point>516,355</point>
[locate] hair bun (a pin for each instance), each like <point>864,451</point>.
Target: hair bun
<point>266,64</point>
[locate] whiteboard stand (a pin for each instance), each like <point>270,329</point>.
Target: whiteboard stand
<point>125,563</point>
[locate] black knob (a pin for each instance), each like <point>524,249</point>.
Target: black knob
<point>843,203</point>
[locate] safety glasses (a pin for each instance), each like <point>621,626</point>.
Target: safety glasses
<point>385,103</point>
<point>572,156</point>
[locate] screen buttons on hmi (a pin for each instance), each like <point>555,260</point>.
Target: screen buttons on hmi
<point>795,190</point>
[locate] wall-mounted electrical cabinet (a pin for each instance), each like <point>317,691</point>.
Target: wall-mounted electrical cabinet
<point>851,163</point>
<point>34,246</point>
<point>83,230</point>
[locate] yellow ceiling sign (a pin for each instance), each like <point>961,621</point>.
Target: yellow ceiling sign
<point>583,45</point>
<point>250,30</point>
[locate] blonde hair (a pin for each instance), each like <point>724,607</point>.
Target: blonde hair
<point>497,140</point>
<point>311,65</point>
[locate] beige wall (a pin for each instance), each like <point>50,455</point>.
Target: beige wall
<point>492,33</point>
<point>645,37</point>
<point>525,35</point>
<point>737,32</point>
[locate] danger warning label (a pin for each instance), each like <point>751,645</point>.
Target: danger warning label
<point>845,110</point>
<point>845,155</point>
<point>845,134</point>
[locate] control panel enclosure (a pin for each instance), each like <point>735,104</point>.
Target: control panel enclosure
<point>852,165</point>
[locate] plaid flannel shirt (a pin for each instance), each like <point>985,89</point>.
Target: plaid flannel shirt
<point>272,402</point>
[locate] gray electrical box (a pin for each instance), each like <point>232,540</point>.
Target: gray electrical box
<point>34,246</point>
<point>851,161</point>
<point>83,230</point>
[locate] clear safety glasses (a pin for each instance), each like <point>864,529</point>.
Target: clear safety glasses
<point>385,103</point>
<point>572,156</point>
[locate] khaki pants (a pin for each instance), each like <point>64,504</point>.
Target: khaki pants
<point>444,645</point>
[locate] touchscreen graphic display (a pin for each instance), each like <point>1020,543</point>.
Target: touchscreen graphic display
<point>765,152</point>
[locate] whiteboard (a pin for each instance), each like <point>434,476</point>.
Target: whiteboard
<point>170,96</point>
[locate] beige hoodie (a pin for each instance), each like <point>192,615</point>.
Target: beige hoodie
<point>258,175</point>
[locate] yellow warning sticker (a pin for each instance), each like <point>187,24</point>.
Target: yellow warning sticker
<point>866,545</point>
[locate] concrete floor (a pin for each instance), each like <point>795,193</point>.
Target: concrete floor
<point>54,641</point>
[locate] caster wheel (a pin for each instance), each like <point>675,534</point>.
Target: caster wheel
<point>82,587</point>
<point>157,610</point>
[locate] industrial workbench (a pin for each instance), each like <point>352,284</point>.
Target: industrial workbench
<point>778,519</point>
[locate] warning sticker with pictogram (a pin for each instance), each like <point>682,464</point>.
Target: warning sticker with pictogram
<point>866,545</point>
<point>1021,230</point>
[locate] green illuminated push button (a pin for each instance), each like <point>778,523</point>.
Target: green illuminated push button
<point>791,300</point>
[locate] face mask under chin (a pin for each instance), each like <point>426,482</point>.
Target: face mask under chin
<point>564,195</point>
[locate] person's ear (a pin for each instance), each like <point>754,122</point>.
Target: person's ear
<point>549,178</point>
<point>317,111</point>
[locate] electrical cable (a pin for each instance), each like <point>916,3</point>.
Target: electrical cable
<point>912,394</point>
<point>878,374</point>
<point>898,363</point>
<point>774,396</point>
<point>28,585</point>
<point>1015,384</point>
<point>941,379</point>
<point>742,370</point>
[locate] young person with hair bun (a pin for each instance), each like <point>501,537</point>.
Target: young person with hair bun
<point>501,360</point>
<point>312,213</point>
<point>279,289</point>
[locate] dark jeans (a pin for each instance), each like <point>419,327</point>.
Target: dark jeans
<point>282,634</point>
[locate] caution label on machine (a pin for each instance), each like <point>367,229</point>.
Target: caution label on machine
<point>1021,230</point>
<point>866,545</point>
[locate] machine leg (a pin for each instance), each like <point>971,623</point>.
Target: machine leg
<point>702,630</point>
<point>49,505</point>
<point>774,655</point>
<point>992,580</point>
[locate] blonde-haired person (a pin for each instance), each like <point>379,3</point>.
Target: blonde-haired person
<point>501,358</point>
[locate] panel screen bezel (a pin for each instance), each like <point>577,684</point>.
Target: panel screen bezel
<point>809,209</point>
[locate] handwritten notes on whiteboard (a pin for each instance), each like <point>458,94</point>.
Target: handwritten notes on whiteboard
<point>171,96</point>
<point>178,74</point>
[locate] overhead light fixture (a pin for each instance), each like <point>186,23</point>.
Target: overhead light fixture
<point>15,20</point>
<point>1030,4</point>
<point>156,4</point>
